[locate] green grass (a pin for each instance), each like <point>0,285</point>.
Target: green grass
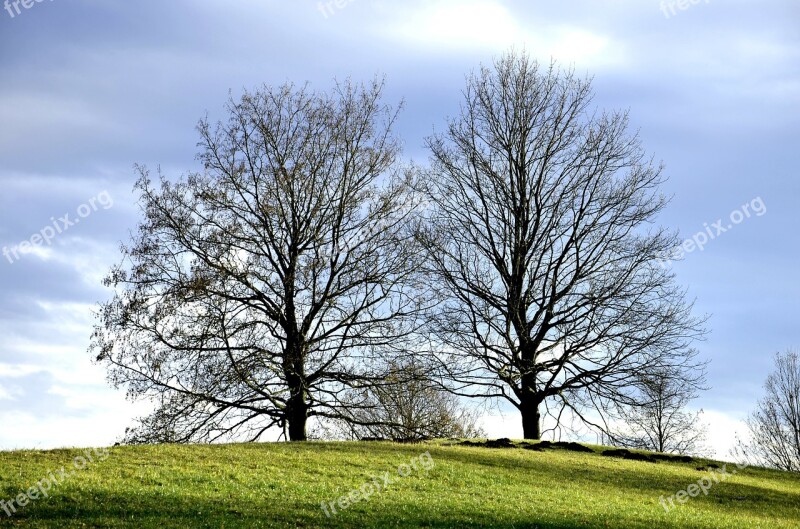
<point>283,485</point>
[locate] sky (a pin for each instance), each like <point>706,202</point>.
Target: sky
<point>90,88</point>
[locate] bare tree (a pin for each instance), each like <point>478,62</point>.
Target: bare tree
<point>659,420</point>
<point>774,426</point>
<point>408,405</point>
<point>256,293</point>
<point>538,246</point>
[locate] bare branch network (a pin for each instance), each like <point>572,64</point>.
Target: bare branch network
<point>294,276</point>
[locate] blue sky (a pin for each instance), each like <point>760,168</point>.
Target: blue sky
<point>91,87</point>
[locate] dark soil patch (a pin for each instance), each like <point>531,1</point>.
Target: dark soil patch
<point>574,447</point>
<point>673,459</point>
<point>627,454</point>
<point>651,458</point>
<point>503,442</point>
<point>710,466</point>
<point>535,448</point>
<point>408,440</point>
<point>571,446</point>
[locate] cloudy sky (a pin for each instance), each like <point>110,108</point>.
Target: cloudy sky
<point>90,87</point>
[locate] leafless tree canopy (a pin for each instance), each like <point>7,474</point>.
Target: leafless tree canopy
<point>256,293</point>
<point>659,420</point>
<point>540,247</point>
<point>283,279</point>
<point>775,424</point>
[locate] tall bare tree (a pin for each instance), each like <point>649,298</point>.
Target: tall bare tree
<point>538,245</point>
<point>775,424</point>
<point>258,292</point>
<point>659,420</point>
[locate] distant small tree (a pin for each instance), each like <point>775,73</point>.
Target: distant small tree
<point>659,421</point>
<point>774,426</point>
<point>411,406</point>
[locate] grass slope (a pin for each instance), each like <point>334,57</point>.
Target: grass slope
<point>283,485</point>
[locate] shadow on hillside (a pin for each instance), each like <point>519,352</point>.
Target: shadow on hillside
<point>647,478</point>
<point>298,504</point>
<point>167,511</point>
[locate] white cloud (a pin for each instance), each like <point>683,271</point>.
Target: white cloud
<point>17,371</point>
<point>575,45</point>
<point>97,429</point>
<point>502,425</point>
<point>479,25</point>
<point>451,24</point>
<point>5,394</point>
<point>722,431</point>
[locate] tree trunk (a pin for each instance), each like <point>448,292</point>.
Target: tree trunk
<point>296,407</point>
<point>297,415</point>
<point>531,427</point>
<point>530,399</point>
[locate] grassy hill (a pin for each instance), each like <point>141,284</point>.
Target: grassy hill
<point>436,485</point>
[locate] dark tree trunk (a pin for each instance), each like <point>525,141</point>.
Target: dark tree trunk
<point>297,415</point>
<point>531,419</point>
<point>529,398</point>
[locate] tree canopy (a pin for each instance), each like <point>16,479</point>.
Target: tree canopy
<point>305,260</point>
<point>540,244</point>
<point>257,292</point>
